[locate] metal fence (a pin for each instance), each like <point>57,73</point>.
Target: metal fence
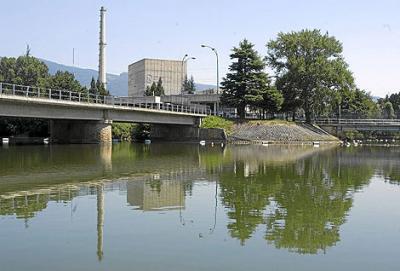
<point>89,98</point>
<point>377,122</point>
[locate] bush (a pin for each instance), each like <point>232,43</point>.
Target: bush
<point>217,122</point>
<point>123,131</point>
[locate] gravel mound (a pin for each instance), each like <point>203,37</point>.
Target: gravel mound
<point>279,133</point>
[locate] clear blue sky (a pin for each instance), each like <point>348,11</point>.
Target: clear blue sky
<point>369,31</point>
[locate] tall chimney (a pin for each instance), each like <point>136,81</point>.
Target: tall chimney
<point>102,48</point>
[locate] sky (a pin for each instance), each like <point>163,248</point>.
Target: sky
<point>169,29</point>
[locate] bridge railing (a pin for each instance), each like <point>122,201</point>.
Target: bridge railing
<point>376,122</point>
<point>86,97</point>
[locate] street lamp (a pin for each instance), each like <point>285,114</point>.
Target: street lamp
<point>185,58</point>
<point>216,54</point>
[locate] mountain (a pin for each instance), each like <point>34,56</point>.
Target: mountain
<point>117,84</point>
<point>201,87</point>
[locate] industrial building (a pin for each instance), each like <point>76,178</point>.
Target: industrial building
<point>146,71</point>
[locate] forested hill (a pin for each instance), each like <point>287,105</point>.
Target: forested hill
<point>117,84</point>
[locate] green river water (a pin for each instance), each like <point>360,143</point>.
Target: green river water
<point>187,207</point>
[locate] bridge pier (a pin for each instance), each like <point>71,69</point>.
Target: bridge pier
<point>80,132</point>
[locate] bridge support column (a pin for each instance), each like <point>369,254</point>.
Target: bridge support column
<point>80,132</point>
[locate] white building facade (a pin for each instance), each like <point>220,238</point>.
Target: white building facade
<point>146,71</point>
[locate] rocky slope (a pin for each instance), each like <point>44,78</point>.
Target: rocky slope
<point>278,132</point>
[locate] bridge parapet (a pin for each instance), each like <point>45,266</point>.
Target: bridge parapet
<point>355,122</point>
<point>339,125</point>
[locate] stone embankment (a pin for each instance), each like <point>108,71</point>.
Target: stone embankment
<point>279,132</point>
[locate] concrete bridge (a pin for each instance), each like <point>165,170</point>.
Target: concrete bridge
<point>86,118</point>
<point>340,125</point>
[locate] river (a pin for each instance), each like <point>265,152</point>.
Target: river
<point>187,207</point>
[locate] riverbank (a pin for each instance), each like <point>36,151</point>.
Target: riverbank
<point>270,131</point>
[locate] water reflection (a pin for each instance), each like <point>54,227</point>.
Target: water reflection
<point>100,221</point>
<point>298,197</point>
<point>301,204</point>
<point>156,195</point>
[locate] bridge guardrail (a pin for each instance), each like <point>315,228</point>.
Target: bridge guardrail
<point>376,122</point>
<point>86,97</point>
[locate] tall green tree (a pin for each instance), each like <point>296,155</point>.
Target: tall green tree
<point>309,66</point>
<point>152,90</point>
<point>93,87</point>
<point>185,85</point>
<point>246,82</point>
<point>101,89</point>
<point>159,88</point>
<point>188,85</point>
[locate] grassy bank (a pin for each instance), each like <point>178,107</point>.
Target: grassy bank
<point>218,122</point>
<point>278,131</point>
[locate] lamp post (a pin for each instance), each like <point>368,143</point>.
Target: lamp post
<point>184,60</point>
<point>216,54</point>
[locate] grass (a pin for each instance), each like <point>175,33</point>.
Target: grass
<point>227,125</point>
<point>217,122</point>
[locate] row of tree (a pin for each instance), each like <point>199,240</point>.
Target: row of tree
<point>311,76</point>
<point>157,89</point>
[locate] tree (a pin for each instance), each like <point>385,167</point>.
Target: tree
<point>97,88</point>
<point>290,93</point>
<point>185,85</point>
<point>189,86</point>
<point>123,131</point>
<point>151,91</point>
<point>357,104</point>
<point>246,82</point>
<point>64,80</point>
<point>395,100</point>
<point>25,70</point>
<point>388,111</point>
<point>101,89</point>
<point>310,69</point>
<point>272,101</point>
<point>159,88</point>
<point>93,87</point>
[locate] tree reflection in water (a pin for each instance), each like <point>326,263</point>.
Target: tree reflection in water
<point>301,204</point>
